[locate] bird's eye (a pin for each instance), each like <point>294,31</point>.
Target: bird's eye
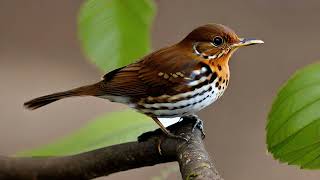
<point>217,41</point>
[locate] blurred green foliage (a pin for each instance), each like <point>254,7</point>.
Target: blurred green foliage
<point>293,129</point>
<point>113,33</point>
<point>107,130</point>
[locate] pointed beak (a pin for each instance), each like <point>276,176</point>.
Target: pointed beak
<point>247,42</point>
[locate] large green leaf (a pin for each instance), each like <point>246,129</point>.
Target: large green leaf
<point>113,128</point>
<point>293,129</point>
<point>115,32</point>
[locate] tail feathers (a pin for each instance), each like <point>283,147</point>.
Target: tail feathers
<point>44,100</point>
<point>91,90</point>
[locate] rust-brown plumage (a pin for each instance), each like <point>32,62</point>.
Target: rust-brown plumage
<point>173,81</point>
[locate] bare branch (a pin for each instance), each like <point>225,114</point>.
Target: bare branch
<point>153,148</point>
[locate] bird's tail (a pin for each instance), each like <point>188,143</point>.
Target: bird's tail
<point>90,90</point>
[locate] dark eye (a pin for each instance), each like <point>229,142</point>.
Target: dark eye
<point>217,41</point>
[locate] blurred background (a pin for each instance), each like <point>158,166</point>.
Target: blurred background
<point>40,54</point>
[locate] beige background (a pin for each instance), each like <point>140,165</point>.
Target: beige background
<point>39,54</point>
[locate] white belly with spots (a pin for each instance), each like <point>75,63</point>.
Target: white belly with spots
<point>198,99</point>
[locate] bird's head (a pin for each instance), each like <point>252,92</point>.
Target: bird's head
<point>215,41</point>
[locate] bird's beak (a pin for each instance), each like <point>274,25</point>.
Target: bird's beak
<point>247,42</point>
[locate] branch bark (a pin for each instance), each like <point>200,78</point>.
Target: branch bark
<point>153,148</point>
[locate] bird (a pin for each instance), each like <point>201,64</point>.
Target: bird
<point>175,81</point>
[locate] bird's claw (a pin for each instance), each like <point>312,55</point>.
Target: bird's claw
<point>197,124</point>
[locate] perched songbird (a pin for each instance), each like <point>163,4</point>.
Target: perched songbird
<point>175,81</point>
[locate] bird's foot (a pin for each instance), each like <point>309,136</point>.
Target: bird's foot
<point>197,124</point>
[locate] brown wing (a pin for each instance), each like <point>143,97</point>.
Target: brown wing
<point>166,71</point>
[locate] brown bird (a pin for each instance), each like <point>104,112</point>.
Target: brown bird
<point>175,81</point>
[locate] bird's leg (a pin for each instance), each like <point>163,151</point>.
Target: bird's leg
<point>197,124</point>
<point>167,132</point>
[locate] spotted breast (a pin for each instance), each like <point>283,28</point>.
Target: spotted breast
<point>205,88</point>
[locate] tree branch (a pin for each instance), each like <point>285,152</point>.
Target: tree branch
<point>153,148</point>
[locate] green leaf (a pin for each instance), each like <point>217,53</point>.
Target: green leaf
<point>293,129</point>
<point>113,128</point>
<point>114,33</point>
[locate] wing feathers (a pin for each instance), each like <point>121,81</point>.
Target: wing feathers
<point>163,72</point>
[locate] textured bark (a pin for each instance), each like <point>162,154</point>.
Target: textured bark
<point>194,161</point>
<point>153,148</point>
